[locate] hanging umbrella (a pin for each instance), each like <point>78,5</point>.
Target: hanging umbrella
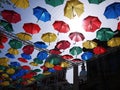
<point>49,37</point>
<point>57,67</point>
<point>76,60</point>
<point>55,51</point>
<point>41,14</point>
<point>54,59</point>
<point>24,36</point>
<point>3,38</point>
<point>114,42</point>
<point>87,55</point>
<point>89,44</point>
<point>31,28</point>
<point>21,3</point>
<point>104,34</point>
<point>95,1</point>
<point>67,57</point>
<point>73,8</point>
<point>13,51</point>
<point>91,23</point>
<point>112,11</point>
<point>118,26</point>
<point>25,67</point>
<point>33,64</point>
<point>64,64</point>
<point>15,44</point>
<point>11,16</point>
<point>76,36</point>
<point>42,55</point>
<point>26,56</point>
<point>38,61</point>
<point>28,49</point>
<point>63,44</point>
<point>40,44</point>
<point>15,64</point>
<point>48,65</point>
<point>99,50</point>
<point>22,60</point>
<point>76,50</point>
<point>6,25</point>
<point>54,3</point>
<point>61,27</point>
<point>1,45</point>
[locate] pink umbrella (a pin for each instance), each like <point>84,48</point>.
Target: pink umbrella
<point>76,36</point>
<point>61,26</point>
<point>91,23</point>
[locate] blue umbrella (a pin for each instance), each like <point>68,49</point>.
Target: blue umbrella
<point>112,11</point>
<point>26,56</point>
<point>10,55</point>
<point>40,44</point>
<point>15,64</point>
<point>42,55</point>
<point>87,55</point>
<point>41,14</point>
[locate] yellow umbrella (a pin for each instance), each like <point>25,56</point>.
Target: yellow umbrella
<point>49,37</point>
<point>114,42</point>
<point>24,36</point>
<point>10,71</point>
<point>5,83</point>
<point>13,51</point>
<point>89,44</point>
<point>46,73</point>
<point>64,64</point>
<point>21,3</point>
<point>33,64</point>
<point>4,61</point>
<point>73,8</point>
<point>49,65</point>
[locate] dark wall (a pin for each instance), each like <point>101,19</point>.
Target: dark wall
<point>104,72</point>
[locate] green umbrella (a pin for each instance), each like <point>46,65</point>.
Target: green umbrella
<point>36,70</point>
<point>95,1</point>
<point>104,34</point>
<point>54,2</point>
<point>76,50</point>
<point>6,25</point>
<point>38,77</point>
<point>36,60</point>
<point>15,44</point>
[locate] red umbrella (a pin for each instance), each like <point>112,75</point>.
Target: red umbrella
<point>11,16</point>
<point>91,23</point>
<point>67,57</point>
<point>31,28</point>
<point>55,51</point>
<point>22,60</point>
<point>118,26</point>
<point>1,45</point>
<point>76,36</point>
<point>76,60</point>
<point>99,50</point>
<point>63,44</point>
<point>28,49</point>
<point>57,67</point>
<point>3,38</point>
<point>61,26</point>
<point>26,67</point>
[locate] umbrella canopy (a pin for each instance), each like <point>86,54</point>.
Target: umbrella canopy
<point>114,42</point>
<point>26,56</point>
<point>87,55</point>
<point>6,25</point>
<point>15,44</point>
<point>76,36</point>
<point>67,57</point>
<point>91,23</point>
<point>49,37</point>
<point>28,49</point>
<point>104,34</point>
<point>13,51</point>
<point>54,3</point>
<point>55,51</point>
<point>3,38</point>
<point>40,44</point>
<point>21,3</point>
<point>24,36</point>
<point>41,14</point>
<point>31,28</point>
<point>61,26</point>
<point>63,44</point>
<point>112,11</point>
<point>42,55</point>
<point>95,1</point>
<point>76,50</point>
<point>118,26</point>
<point>11,16</point>
<point>22,60</point>
<point>89,44</point>
<point>1,45</point>
<point>99,50</point>
<point>73,8</point>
